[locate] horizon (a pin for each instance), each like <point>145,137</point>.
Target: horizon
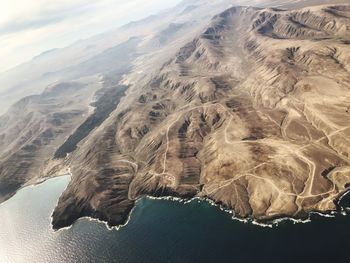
<point>49,27</point>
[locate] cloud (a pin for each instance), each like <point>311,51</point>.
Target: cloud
<point>42,19</point>
<point>28,28</point>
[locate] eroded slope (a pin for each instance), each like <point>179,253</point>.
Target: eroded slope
<point>32,129</point>
<point>253,114</point>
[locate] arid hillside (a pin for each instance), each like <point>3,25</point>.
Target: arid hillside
<point>253,114</point>
<point>250,109</point>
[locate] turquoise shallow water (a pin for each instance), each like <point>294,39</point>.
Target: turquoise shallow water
<point>161,231</point>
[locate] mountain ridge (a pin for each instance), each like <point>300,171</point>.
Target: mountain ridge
<point>185,150</point>
<point>248,109</point>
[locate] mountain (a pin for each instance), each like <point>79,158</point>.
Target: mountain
<point>244,105</point>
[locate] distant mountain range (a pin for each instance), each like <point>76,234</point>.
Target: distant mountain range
<point>245,103</point>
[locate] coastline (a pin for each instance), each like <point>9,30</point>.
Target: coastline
<point>171,223</point>
<point>35,184</point>
<point>268,223</point>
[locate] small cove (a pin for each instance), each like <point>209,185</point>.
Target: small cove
<point>162,231</point>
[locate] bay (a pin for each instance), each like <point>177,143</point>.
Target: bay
<point>162,231</point>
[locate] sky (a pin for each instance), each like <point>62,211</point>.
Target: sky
<point>30,27</point>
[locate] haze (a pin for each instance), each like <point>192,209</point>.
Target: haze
<point>28,28</point>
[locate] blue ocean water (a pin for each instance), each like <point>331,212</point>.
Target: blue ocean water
<point>161,231</point>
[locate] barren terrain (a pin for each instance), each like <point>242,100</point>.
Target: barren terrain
<point>251,110</point>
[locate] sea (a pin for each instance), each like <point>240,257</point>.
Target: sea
<point>163,231</point>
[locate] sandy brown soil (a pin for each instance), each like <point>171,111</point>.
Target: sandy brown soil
<point>252,113</point>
